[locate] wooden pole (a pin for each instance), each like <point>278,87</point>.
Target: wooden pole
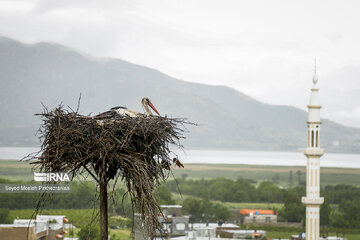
<point>103,205</point>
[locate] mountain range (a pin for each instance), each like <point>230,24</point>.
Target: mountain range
<point>33,75</point>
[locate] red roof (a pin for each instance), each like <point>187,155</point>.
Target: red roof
<point>258,212</point>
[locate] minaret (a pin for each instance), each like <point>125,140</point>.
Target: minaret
<point>313,152</point>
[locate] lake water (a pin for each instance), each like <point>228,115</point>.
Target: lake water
<point>231,157</point>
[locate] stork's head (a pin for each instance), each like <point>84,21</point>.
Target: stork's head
<point>146,102</point>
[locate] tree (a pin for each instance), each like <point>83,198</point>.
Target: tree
<point>269,192</point>
<point>4,216</point>
<point>351,210</point>
<point>164,196</point>
<point>242,196</point>
<point>205,210</point>
<point>88,232</point>
<point>298,173</point>
<point>223,194</point>
<point>338,220</point>
<point>291,180</point>
<point>276,179</point>
<point>293,210</point>
<point>184,176</point>
<point>194,207</point>
<point>325,211</point>
<point>220,212</point>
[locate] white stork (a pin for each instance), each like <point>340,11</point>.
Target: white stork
<point>131,113</point>
<point>123,111</point>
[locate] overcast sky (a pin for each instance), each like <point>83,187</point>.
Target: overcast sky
<point>265,49</point>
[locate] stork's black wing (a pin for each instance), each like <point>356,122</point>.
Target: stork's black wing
<point>114,111</point>
<point>117,108</point>
<point>105,115</point>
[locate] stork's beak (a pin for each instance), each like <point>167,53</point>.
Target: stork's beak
<point>152,106</point>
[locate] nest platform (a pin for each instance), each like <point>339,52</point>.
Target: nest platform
<point>132,149</point>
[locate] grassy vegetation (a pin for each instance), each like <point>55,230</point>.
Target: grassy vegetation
<point>23,171</point>
<point>281,235</point>
<point>117,234</point>
<point>77,217</point>
<point>232,205</point>
<point>329,176</point>
<point>121,234</point>
<point>287,235</point>
<point>16,170</point>
<point>353,236</point>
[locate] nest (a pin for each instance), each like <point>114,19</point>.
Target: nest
<point>133,149</point>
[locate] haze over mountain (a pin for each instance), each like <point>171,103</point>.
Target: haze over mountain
<point>50,74</point>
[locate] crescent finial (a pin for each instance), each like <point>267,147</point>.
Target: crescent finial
<point>315,79</point>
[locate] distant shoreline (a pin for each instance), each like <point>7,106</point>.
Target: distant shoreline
<point>266,158</point>
<point>217,149</point>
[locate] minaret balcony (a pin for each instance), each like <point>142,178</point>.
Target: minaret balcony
<point>313,152</point>
<point>312,201</point>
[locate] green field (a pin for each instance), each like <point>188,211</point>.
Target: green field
<point>16,170</point>
<point>350,236</point>
<point>233,205</point>
<point>287,235</point>
<point>280,235</point>
<point>123,234</point>
<point>77,217</point>
<point>118,234</point>
<point>271,206</point>
<point>329,176</point>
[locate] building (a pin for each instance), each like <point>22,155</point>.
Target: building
<point>171,210</point>
<point>177,226</point>
<point>241,234</point>
<point>174,223</point>
<point>258,216</point>
<point>18,232</point>
<point>212,229</point>
<point>313,152</point>
<point>44,227</point>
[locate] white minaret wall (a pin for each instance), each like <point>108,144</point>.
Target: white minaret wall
<point>313,152</point>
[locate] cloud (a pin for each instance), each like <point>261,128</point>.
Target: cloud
<point>11,6</point>
<point>263,48</point>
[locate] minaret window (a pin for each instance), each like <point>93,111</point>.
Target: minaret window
<point>317,138</point>
<point>312,138</point>
<point>307,179</point>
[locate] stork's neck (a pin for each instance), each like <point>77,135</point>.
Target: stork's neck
<point>148,111</point>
